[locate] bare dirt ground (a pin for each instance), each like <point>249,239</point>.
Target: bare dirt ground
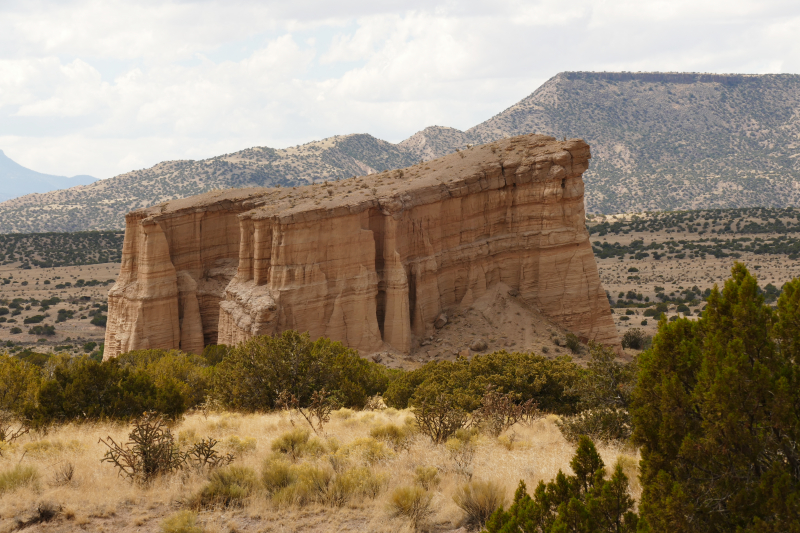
<point>98,500</point>
<point>499,320</point>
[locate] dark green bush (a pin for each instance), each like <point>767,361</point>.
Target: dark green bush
<point>42,330</point>
<point>172,369</point>
<point>574,343</point>
<point>717,413</point>
<point>253,374</point>
<point>548,382</point>
<point>635,338</point>
<point>82,388</point>
<point>215,353</point>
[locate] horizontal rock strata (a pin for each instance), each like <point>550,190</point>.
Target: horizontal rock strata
<point>370,261</point>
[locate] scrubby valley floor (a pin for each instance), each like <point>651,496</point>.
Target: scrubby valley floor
<point>678,255</point>
<point>98,499</point>
<point>72,300</point>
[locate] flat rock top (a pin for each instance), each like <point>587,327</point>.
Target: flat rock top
<point>388,189</point>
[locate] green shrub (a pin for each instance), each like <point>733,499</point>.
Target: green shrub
<point>635,338</point>
<point>549,382</point>
<point>226,487</point>
<point>17,477</point>
<point>18,383</point>
<point>83,388</point>
<point>252,374</point>
<point>215,353</point>
<point>413,503</point>
<point>574,343</point>
<point>440,417</point>
<point>478,500</point>
<point>189,374</point>
<point>42,330</point>
<point>181,522</point>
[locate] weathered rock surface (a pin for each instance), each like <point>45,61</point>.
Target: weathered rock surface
<point>370,261</point>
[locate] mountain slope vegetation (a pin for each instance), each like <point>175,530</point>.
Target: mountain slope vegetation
<point>660,141</point>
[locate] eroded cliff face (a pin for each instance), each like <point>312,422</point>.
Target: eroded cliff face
<point>370,261</point>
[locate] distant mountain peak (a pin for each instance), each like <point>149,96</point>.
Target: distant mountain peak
<point>16,180</point>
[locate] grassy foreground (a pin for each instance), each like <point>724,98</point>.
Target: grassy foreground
<point>97,499</point>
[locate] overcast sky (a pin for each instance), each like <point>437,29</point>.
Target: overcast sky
<point>102,87</point>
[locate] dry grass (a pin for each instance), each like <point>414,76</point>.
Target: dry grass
<point>360,471</point>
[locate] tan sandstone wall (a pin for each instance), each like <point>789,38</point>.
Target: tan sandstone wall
<point>370,261</point>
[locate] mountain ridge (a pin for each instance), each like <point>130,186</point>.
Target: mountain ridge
<point>660,141</point>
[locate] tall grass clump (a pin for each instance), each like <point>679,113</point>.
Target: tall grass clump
<point>17,477</point>
<point>478,500</point>
<point>297,443</point>
<point>181,522</point>
<point>226,487</point>
<point>398,437</point>
<point>413,503</point>
<point>427,477</point>
<point>308,484</point>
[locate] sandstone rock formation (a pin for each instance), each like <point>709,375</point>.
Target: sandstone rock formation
<point>371,261</point>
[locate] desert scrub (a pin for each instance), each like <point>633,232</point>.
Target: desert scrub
<point>355,482</point>
<point>343,413</point>
<point>309,484</point>
<point>17,477</point>
<point>297,443</point>
<point>239,445</point>
<point>478,500</point>
<point>43,448</point>
<point>276,474</point>
<point>427,477</point>
<point>413,503</point>
<point>181,522</point>
<point>365,450</point>
<point>396,436</point>
<point>226,487</point>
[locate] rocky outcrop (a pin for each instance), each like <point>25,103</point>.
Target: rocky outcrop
<point>371,261</point>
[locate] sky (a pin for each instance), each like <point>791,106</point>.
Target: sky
<point>102,87</point>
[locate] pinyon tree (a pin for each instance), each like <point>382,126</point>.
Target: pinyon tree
<point>717,414</point>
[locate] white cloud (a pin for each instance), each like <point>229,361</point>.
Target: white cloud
<point>103,86</point>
